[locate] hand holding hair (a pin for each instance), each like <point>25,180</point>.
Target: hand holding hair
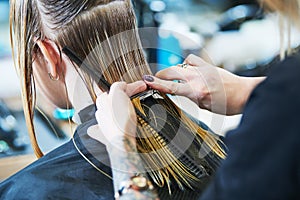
<point>115,113</point>
<point>116,129</point>
<point>210,87</point>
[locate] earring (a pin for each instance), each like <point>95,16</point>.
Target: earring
<point>53,78</point>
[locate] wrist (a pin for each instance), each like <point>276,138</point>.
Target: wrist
<point>124,156</point>
<point>248,84</point>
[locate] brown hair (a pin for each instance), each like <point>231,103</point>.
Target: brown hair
<point>65,23</point>
<point>104,33</point>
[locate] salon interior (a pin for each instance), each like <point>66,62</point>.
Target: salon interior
<point>232,34</point>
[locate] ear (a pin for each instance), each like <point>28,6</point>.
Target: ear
<point>51,55</point>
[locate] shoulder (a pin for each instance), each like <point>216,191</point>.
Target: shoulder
<point>274,105</point>
<point>63,169</point>
<point>281,89</point>
<point>263,152</point>
<point>266,144</point>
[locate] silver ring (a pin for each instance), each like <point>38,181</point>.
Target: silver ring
<point>184,65</point>
<point>52,77</point>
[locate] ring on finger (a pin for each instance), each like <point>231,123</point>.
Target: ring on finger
<point>181,81</point>
<point>184,65</point>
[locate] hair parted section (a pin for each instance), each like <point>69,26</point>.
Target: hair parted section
<point>109,43</point>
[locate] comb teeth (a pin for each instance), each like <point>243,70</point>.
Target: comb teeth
<point>198,171</point>
<point>171,163</point>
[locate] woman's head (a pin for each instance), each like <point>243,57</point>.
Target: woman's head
<point>97,30</point>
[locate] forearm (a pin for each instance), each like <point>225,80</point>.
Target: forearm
<point>238,90</point>
<point>126,163</point>
<point>248,85</point>
<point>228,93</point>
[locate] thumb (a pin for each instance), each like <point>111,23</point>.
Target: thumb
<point>136,87</point>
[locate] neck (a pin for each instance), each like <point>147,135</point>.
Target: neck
<point>77,91</point>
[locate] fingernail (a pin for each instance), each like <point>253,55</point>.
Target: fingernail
<point>148,78</point>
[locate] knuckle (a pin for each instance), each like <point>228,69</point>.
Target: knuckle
<point>118,86</point>
<point>99,100</point>
<point>162,73</point>
<point>189,57</point>
<point>172,87</point>
<point>102,100</point>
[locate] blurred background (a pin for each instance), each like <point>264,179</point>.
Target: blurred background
<point>233,34</point>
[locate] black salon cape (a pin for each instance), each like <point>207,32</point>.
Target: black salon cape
<point>264,151</point>
<point>64,174</point>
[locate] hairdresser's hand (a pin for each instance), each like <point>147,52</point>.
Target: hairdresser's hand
<point>115,114</point>
<point>117,129</point>
<point>210,87</point>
